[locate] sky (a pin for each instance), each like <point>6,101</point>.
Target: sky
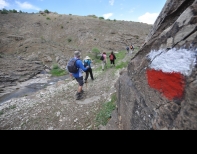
<point>145,11</point>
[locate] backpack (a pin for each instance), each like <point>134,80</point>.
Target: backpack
<point>71,66</point>
<point>102,58</point>
<point>86,62</point>
<point>127,48</point>
<point>111,57</point>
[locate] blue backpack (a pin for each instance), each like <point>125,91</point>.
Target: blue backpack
<point>86,62</point>
<point>71,66</point>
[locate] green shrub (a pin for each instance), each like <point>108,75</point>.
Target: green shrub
<point>14,11</point>
<point>62,27</point>
<point>48,18</point>
<point>69,40</point>
<point>104,115</point>
<point>4,11</point>
<point>57,71</point>
<point>94,16</point>
<point>96,52</point>
<point>101,18</point>
<point>46,11</point>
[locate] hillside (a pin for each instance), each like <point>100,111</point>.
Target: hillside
<point>41,40</point>
<point>32,43</point>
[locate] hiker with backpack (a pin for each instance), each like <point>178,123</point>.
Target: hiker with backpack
<point>104,60</point>
<point>87,62</point>
<point>112,58</point>
<point>76,68</point>
<point>132,47</point>
<point>127,49</point>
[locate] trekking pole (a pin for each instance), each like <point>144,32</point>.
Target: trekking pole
<point>86,84</point>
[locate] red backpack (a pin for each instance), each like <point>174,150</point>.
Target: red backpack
<point>111,57</point>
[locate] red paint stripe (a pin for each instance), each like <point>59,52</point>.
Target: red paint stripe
<point>170,84</point>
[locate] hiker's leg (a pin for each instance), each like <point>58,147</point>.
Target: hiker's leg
<point>91,74</point>
<point>103,65</point>
<point>80,82</point>
<point>87,75</point>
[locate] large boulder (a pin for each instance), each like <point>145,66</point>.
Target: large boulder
<point>158,90</point>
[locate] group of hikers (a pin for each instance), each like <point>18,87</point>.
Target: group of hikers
<point>76,67</point>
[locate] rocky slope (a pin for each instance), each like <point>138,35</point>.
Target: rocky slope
<point>30,43</point>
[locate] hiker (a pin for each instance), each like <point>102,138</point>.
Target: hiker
<point>112,58</point>
<point>132,47</point>
<point>87,62</point>
<point>79,74</point>
<point>127,49</point>
<point>104,60</point>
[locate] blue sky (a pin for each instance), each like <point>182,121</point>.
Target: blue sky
<point>145,11</point>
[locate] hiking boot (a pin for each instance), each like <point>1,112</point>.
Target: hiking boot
<point>79,96</point>
<point>82,92</point>
<point>85,81</point>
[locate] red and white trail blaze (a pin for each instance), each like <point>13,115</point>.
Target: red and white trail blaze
<point>168,69</point>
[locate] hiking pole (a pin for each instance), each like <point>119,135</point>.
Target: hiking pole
<point>86,84</point>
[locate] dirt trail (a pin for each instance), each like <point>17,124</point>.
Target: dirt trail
<point>55,107</point>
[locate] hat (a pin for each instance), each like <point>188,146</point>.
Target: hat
<point>77,54</point>
<point>87,57</point>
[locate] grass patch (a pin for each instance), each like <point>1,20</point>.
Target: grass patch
<point>12,107</point>
<point>122,65</point>
<point>120,55</point>
<point>56,71</point>
<point>104,115</point>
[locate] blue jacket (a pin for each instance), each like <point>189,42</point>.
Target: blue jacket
<point>82,69</point>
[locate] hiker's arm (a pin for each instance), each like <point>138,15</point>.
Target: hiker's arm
<point>80,64</point>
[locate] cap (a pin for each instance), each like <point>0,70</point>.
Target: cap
<point>87,57</point>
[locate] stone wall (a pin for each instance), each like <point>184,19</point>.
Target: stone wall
<point>158,90</point>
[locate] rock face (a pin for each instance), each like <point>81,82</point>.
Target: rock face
<point>158,90</point>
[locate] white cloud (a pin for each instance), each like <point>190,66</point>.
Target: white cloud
<point>148,18</point>
<point>106,16</point>
<point>27,6</point>
<point>3,4</point>
<point>111,2</point>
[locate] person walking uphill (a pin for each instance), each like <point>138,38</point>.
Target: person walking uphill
<point>76,68</point>
<point>112,58</point>
<point>87,62</point>
<point>104,59</point>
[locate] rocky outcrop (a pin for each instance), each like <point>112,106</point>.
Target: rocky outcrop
<point>16,69</point>
<point>158,90</point>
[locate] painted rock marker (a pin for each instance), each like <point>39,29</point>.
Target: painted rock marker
<point>168,69</point>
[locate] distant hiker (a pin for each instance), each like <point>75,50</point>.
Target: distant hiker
<point>104,60</point>
<point>132,47</point>
<point>87,62</point>
<point>127,49</point>
<point>112,58</point>
<point>75,66</point>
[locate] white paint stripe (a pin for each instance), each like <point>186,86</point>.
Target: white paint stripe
<point>179,61</point>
